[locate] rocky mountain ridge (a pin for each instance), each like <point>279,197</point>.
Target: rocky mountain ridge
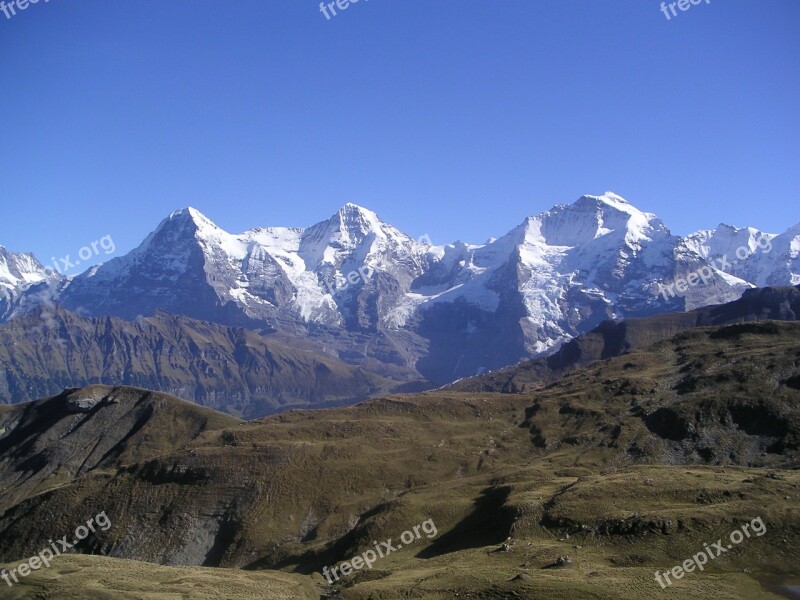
<point>230,369</point>
<point>364,292</point>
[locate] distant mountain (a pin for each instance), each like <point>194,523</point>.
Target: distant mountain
<point>363,291</point>
<point>758,258</point>
<point>190,266</point>
<point>22,280</point>
<point>227,368</point>
<point>616,338</point>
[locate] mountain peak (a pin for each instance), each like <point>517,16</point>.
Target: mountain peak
<point>9,253</point>
<point>191,223</point>
<point>352,206</point>
<point>611,200</point>
<point>191,214</point>
<point>732,230</point>
<point>593,217</point>
<point>352,213</point>
<point>352,223</point>
<point>22,268</point>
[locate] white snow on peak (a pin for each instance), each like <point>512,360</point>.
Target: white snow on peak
<point>353,223</point>
<point>726,240</point>
<point>755,256</point>
<point>18,270</point>
<point>210,235</point>
<point>589,248</point>
<point>192,216</point>
<point>19,273</point>
<point>351,208</point>
<point>590,218</point>
<point>614,201</point>
<point>189,212</point>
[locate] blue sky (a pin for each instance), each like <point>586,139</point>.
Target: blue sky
<point>451,118</point>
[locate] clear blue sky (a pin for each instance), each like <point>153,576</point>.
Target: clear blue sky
<point>455,118</point>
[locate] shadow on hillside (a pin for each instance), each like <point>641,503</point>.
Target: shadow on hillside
<point>488,524</point>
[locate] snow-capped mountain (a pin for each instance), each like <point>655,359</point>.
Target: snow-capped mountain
<point>189,265</point>
<point>755,257</point>
<point>559,274</point>
<point>360,289</point>
<point>22,277</point>
<point>589,261</point>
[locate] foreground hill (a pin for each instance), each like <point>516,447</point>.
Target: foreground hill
<point>54,441</point>
<point>227,368</point>
<point>626,467</point>
<point>615,338</point>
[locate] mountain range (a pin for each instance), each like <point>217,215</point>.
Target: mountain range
<point>358,290</point>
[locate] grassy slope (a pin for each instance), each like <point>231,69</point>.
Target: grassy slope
<point>48,445</point>
<point>724,396</point>
<point>314,488</point>
<point>78,577</point>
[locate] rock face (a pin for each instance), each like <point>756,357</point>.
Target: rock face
<point>82,404</point>
<point>230,369</point>
<point>360,289</point>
